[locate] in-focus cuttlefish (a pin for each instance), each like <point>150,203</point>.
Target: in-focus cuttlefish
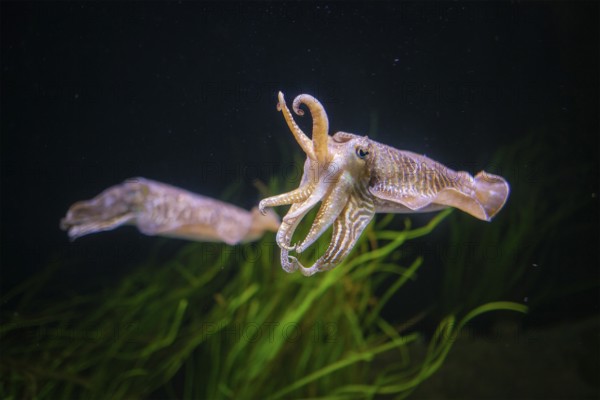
<point>354,177</point>
<point>160,209</point>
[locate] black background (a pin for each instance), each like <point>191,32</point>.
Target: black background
<point>185,93</point>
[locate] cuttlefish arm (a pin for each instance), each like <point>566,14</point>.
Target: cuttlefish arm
<point>353,177</point>
<point>347,228</point>
<point>159,209</point>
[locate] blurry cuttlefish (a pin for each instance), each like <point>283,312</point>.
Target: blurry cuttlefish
<point>156,208</point>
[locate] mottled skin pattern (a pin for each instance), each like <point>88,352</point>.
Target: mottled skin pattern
<point>160,209</point>
<point>354,177</point>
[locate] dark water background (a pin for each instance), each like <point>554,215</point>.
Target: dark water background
<point>185,93</point>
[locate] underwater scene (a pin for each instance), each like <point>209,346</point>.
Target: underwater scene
<point>205,200</point>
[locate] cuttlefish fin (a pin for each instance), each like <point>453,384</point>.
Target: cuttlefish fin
<point>410,201</point>
<point>487,196</point>
<point>482,196</point>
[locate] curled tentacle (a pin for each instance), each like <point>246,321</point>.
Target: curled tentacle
<point>285,233</point>
<point>288,263</point>
<point>319,191</point>
<point>284,236</point>
<point>305,143</point>
<point>320,133</point>
<point>295,196</point>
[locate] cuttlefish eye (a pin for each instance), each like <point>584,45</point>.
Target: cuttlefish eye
<point>361,153</point>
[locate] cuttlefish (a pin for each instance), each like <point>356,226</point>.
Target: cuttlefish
<point>354,177</point>
<point>156,208</point>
